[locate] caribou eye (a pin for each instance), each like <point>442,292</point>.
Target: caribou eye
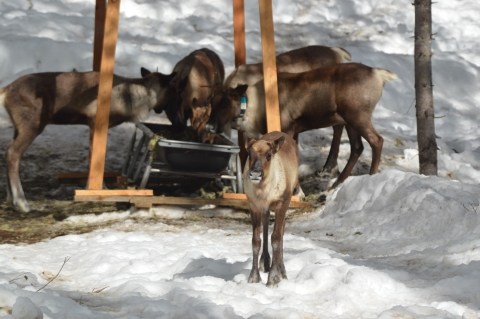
<point>269,157</point>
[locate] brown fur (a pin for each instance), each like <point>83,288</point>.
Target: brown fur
<point>270,178</point>
<point>200,116</point>
<point>33,101</point>
<point>295,61</point>
<point>197,75</point>
<point>340,94</point>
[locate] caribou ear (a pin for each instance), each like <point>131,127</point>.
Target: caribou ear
<point>238,91</point>
<point>277,144</point>
<point>144,72</point>
<point>166,79</point>
<point>248,140</point>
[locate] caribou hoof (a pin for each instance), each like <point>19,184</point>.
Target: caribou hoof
<point>322,198</point>
<point>277,273</point>
<point>323,195</point>
<point>22,206</point>
<point>254,277</point>
<point>328,172</point>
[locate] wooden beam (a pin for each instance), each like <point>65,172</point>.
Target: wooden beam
<point>244,197</point>
<point>269,66</point>
<point>240,58</point>
<point>113,192</point>
<point>146,202</point>
<point>99,144</point>
<point>110,199</point>
<point>100,13</point>
<point>169,200</point>
<point>239,33</point>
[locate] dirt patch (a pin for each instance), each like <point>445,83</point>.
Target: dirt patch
<point>52,203</point>
<point>17,227</point>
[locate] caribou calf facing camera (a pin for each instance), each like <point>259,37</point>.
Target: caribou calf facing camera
<point>270,178</point>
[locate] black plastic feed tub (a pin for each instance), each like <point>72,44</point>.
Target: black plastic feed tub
<point>172,156</point>
<point>193,156</point>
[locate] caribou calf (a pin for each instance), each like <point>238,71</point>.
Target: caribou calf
<point>33,101</point>
<point>270,178</point>
<point>333,95</point>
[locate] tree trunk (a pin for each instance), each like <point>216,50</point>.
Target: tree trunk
<point>427,145</point>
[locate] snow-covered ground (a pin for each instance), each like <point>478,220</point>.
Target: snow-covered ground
<point>393,245</point>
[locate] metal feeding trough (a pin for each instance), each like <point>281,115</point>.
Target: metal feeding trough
<point>155,152</point>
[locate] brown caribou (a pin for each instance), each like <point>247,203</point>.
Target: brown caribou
<point>342,94</point>
<point>270,178</point>
<point>295,61</point>
<point>33,101</point>
<point>190,89</point>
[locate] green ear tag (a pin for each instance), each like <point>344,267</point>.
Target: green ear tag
<point>243,104</point>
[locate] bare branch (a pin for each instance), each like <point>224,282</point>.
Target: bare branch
<point>64,262</point>
<point>410,106</point>
<point>18,277</point>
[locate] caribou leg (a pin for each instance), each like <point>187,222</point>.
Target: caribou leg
<point>369,133</point>
<point>277,271</point>
<point>265,258</point>
<point>331,166</point>
<point>23,137</point>
<point>356,149</point>
<point>256,243</point>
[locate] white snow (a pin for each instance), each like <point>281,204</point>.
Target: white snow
<point>392,245</point>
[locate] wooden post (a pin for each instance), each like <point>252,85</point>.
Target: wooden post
<point>100,12</point>
<point>240,57</point>
<point>239,33</point>
<point>269,66</point>
<point>99,145</point>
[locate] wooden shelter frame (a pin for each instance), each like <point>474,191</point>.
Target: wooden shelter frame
<point>107,14</point>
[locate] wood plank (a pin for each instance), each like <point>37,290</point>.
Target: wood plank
<point>234,196</point>
<point>239,32</point>
<point>161,200</point>
<point>239,45</point>
<point>166,200</point>
<point>100,13</point>
<point>244,197</point>
<point>114,192</point>
<point>149,201</point>
<point>269,66</point>
<point>97,161</point>
<point>113,199</point>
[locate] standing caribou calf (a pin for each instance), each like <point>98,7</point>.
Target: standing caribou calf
<point>35,100</point>
<point>340,94</point>
<point>269,179</point>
